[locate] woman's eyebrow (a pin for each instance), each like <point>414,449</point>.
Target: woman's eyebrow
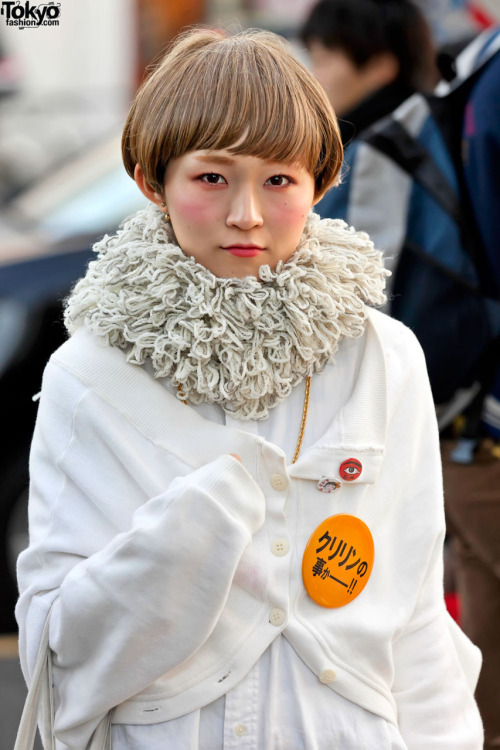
<point>225,160</point>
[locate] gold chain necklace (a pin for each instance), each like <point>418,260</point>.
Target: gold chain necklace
<point>302,423</point>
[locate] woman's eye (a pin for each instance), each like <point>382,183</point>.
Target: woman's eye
<point>212,178</point>
<point>278,180</point>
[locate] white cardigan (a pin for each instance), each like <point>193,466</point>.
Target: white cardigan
<point>139,517</point>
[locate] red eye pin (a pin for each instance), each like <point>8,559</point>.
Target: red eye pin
<point>350,469</point>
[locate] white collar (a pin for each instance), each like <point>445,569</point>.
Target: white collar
<point>359,429</point>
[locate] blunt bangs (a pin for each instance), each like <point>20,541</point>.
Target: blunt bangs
<point>245,93</point>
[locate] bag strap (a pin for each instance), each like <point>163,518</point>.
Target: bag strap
<point>27,728</point>
<point>393,139</point>
<point>40,705</point>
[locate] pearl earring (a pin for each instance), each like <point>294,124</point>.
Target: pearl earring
<point>166,214</point>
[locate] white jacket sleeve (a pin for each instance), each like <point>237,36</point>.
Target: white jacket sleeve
<point>435,665</point>
<point>436,669</point>
<point>128,601</point>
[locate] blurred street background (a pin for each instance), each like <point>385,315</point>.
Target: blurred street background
<point>65,90</point>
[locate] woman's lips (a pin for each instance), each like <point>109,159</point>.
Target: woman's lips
<point>244,251</point>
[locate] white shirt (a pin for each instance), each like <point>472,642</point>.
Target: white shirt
<point>280,705</point>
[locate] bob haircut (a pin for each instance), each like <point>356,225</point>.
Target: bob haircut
<point>212,91</point>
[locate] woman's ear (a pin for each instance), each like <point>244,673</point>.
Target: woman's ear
<point>146,188</point>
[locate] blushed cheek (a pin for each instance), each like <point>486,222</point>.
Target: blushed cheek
<point>193,212</point>
<point>292,214</point>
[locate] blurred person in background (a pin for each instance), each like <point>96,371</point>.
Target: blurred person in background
<point>370,55</point>
<point>473,487</point>
<point>472,473</point>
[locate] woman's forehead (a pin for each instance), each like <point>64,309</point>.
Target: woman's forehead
<point>227,157</point>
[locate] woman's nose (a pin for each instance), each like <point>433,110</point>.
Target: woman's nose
<point>244,210</point>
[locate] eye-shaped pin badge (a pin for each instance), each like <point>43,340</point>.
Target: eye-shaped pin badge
<point>327,484</point>
<point>350,469</point>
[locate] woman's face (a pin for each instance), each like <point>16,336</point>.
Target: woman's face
<point>235,213</point>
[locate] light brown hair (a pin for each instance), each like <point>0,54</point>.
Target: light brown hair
<point>212,91</point>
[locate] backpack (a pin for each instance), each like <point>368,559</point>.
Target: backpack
<point>404,186</point>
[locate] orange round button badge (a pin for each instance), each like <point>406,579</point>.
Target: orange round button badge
<point>338,560</point>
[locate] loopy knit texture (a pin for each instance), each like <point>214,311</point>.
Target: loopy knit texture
<point>242,343</point>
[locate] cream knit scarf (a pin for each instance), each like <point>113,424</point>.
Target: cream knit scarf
<point>242,343</point>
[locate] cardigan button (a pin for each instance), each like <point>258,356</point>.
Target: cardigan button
<point>277,617</point>
<point>280,547</point>
<point>240,730</point>
<point>327,676</point>
<point>278,482</point>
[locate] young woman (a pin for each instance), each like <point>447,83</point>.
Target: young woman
<point>236,509</point>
